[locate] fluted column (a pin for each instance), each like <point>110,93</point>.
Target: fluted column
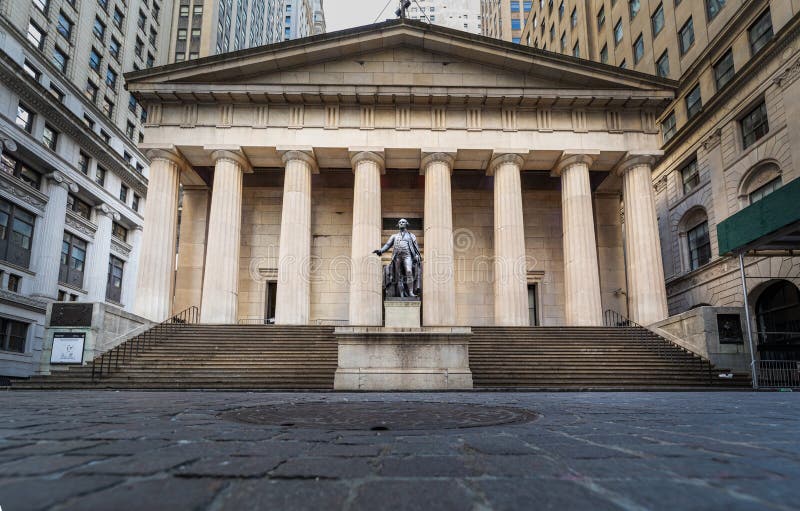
<point>647,295</point>
<point>366,293</point>
<point>191,248</point>
<point>510,272</point>
<point>157,257</point>
<point>99,254</point>
<point>132,268</point>
<point>293,300</point>
<point>581,271</point>
<point>438,286</point>
<point>51,234</point>
<point>220,298</point>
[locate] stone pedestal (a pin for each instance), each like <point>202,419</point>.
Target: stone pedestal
<point>383,359</point>
<point>402,313</point>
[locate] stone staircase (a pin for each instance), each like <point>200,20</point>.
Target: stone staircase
<point>589,358</point>
<point>268,357</point>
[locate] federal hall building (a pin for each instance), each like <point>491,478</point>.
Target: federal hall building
<point>526,177</point>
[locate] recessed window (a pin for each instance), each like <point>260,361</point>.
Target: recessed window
<point>78,206</point>
<point>633,7</point>
<point>576,50</point>
<point>13,334</point>
<point>713,7</point>
<point>657,20</point>
<point>638,49</point>
<point>108,107</point>
<point>754,124</point>
<point>118,18</point>
<point>601,17</point>
<point>184,11</point>
<point>563,41</point>
<point>14,282</point>
<point>115,273</point>
<point>130,130</point>
<point>694,102</point>
<point>135,202</point>
<point>668,127</point>
<point>662,65</point>
<point>604,54</point>
<point>21,171</point>
<point>686,36</point>
<point>181,34</point>
<point>49,137</point>
<point>31,71</point>
<point>24,118</point>
<point>35,35</point>
<point>64,26</point>
<point>690,175</point>
<point>99,29</point>
<point>60,59</point>
<point>113,48</point>
<point>762,191</point>
<point>94,60</point>
<point>197,10</point>
<point>16,234</point>
<point>42,5</point>
<point>699,246</point>
<point>618,32</point>
<point>56,92</point>
<point>111,78</point>
<point>100,175</point>
<point>760,32</point>
<point>123,194</point>
<point>723,70</point>
<point>573,18</point>
<point>73,260</point>
<point>132,104</point>
<point>90,91</point>
<point>83,162</point>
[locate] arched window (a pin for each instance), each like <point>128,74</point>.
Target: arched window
<point>759,182</point>
<point>778,320</point>
<point>695,239</point>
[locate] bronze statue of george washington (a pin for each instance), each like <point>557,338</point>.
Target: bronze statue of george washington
<point>402,278</point>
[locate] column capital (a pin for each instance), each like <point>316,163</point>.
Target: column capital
<point>448,157</point>
<point>358,155</point>
<point>235,155</point>
<point>633,160</point>
<point>106,210</point>
<point>303,154</point>
<point>503,158</point>
<point>570,158</point>
<point>58,178</point>
<point>165,152</point>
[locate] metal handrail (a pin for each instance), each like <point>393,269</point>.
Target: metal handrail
<point>664,347</point>
<point>778,373</point>
<point>135,345</point>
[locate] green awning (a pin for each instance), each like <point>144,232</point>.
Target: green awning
<point>772,223</point>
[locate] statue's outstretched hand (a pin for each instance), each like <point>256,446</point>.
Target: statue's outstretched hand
<point>377,252</point>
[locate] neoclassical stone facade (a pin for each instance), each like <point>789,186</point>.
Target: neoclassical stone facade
<point>295,160</point>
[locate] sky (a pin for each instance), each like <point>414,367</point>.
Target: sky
<point>341,14</point>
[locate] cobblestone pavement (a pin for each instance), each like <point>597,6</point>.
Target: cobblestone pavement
<point>178,450</point>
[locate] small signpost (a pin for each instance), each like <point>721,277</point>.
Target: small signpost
<point>67,348</point>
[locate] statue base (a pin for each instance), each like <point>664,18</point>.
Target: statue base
<point>402,312</point>
<point>382,359</point>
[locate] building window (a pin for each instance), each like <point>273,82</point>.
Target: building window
<point>113,48</point>
<point>60,59</point>
<point>694,102</point>
<point>99,29</point>
<point>690,175</point>
<point>14,282</point>
<point>723,70</point>
<point>754,124</point>
<point>180,57</point>
<point>618,32</point>
<point>713,7</point>
<point>633,8</point>
<point>73,260</point>
<point>668,127</point>
<point>576,50</point>
<point>657,20</point>
<point>16,234</point>
<point>42,5</point>
<point>108,107</point>
<point>83,162</point>
<point>138,47</point>
<point>94,60</point>
<point>699,246</point>
<point>25,118</point>
<point>601,17</point>
<point>79,207</point>
<point>638,49</point>
<point>184,11</point>
<point>662,65</point>
<point>49,137</point>
<point>21,171</point>
<point>115,273</point>
<point>604,54</point>
<point>35,35</point>
<point>623,64</point>
<point>103,4</point>
<point>123,193</point>
<point>181,34</point>
<point>111,78</point>
<point>141,21</point>
<point>118,18</point>
<point>31,71</point>
<point>197,10</point>
<point>563,41</point>
<point>13,334</point>
<point>573,18</point>
<point>105,136</point>
<point>132,104</point>
<point>135,202</point>
<point>117,230</point>
<point>100,175</point>
<point>56,92</point>
<point>64,26</point>
<point>760,33</point>
<point>762,191</point>
<point>686,36</point>
<point>91,91</point>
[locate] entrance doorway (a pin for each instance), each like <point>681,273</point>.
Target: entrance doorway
<point>269,302</point>
<point>533,304</point>
<point>778,319</point>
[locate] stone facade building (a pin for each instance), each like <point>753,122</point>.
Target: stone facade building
<point>72,180</point>
<point>510,163</point>
<point>459,14</point>
<point>504,19</point>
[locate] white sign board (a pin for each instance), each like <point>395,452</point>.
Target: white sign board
<point>67,348</point>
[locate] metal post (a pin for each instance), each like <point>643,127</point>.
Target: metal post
<point>747,319</point>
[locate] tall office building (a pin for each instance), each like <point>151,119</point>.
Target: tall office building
<point>729,140</point>
<point>72,181</point>
<point>208,27</point>
<point>504,19</point>
<point>458,14</point>
<point>303,18</point>
<point>319,18</point>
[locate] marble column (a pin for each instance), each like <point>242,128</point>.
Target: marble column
<point>99,254</point>
<point>647,296</point>
<point>293,297</point>
<point>581,270</point>
<point>510,269</point>
<point>191,248</point>
<point>220,297</point>
<point>131,268</point>
<point>157,257</point>
<point>51,235</point>
<point>366,281</point>
<point>438,285</point>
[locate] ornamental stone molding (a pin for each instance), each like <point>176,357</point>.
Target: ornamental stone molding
<point>502,159</point>
<point>80,224</point>
<point>106,210</point>
<point>16,189</point>
<point>789,75</point>
<point>120,247</point>
<point>59,179</point>
<point>24,301</point>
<point>713,140</point>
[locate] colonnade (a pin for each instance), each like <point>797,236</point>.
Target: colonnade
<point>219,296</point>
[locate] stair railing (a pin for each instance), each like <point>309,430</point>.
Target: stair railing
<point>663,347</point>
<point>124,352</point>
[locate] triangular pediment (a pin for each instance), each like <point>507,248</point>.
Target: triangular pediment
<point>401,56</point>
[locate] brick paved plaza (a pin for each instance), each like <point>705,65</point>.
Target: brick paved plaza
<point>194,450</point>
